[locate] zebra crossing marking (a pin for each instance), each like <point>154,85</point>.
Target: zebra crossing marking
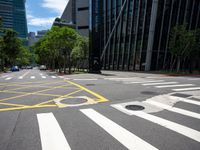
<point>44,77</point>
<point>151,81</point>
<point>185,100</point>
<point>54,77</point>
<point>186,89</point>
<point>21,77</point>
<point>52,137</point>
<point>118,132</point>
<point>32,77</point>
<point>160,83</point>
<point>9,78</point>
<point>186,131</point>
<point>177,85</point>
<point>174,109</point>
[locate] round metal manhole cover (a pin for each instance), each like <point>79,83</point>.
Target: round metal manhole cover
<point>90,84</point>
<point>149,93</point>
<point>134,107</point>
<point>74,101</point>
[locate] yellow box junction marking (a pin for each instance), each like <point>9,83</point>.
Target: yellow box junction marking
<point>46,104</point>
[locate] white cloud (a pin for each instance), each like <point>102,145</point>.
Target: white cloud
<point>55,5</point>
<point>35,21</point>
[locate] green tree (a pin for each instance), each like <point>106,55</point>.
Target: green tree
<point>24,57</point>
<point>181,44</point>
<point>11,45</point>
<point>80,52</point>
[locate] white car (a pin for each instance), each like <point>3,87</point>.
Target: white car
<point>43,67</point>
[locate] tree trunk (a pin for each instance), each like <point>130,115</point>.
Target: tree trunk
<point>178,64</point>
<point>70,65</point>
<point>64,64</point>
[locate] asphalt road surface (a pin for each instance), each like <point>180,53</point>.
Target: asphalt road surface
<point>40,110</point>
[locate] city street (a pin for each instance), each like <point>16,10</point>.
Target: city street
<point>41,110</point>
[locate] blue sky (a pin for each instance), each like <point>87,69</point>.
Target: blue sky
<point>41,13</point>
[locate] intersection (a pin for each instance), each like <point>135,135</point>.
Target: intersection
<point>41,110</point>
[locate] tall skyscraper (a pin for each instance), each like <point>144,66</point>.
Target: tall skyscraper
<point>13,13</point>
<point>137,38</point>
<point>77,13</point>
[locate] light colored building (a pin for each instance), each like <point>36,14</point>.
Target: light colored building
<point>33,38</point>
<point>77,13</point>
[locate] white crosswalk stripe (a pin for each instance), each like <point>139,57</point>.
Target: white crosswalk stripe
<point>9,78</point>
<point>21,77</point>
<point>159,83</point>
<point>128,139</point>
<point>44,77</point>
<point>174,109</point>
<point>53,77</point>
<point>181,129</point>
<point>186,89</point>
<point>177,85</point>
<point>32,77</point>
<point>185,100</point>
<point>148,81</point>
<point>52,137</point>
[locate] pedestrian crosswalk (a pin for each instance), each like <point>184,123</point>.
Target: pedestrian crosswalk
<point>157,83</point>
<point>105,122</point>
<point>7,78</point>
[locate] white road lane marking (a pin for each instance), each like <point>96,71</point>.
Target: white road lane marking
<point>185,100</point>
<point>84,79</point>
<point>52,137</point>
<point>32,77</point>
<point>186,89</point>
<point>41,74</point>
<point>61,77</point>
<point>44,77</point>
<point>21,77</point>
<point>147,81</point>
<point>194,79</point>
<point>160,83</point>
<point>53,77</point>
<point>125,137</point>
<point>177,85</point>
<point>174,109</point>
<point>9,78</point>
<point>186,131</point>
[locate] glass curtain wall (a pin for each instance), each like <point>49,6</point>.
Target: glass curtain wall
<point>129,44</point>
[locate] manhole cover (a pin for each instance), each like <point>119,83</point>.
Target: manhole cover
<point>149,93</point>
<point>74,101</point>
<point>90,84</point>
<point>134,107</point>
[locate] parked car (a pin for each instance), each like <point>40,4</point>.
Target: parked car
<point>14,68</point>
<point>29,67</point>
<point>43,67</point>
<point>23,67</point>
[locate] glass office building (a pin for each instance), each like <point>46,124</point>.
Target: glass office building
<point>14,16</point>
<point>141,38</point>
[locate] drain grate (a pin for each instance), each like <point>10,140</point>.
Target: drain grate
<point>134,107</point>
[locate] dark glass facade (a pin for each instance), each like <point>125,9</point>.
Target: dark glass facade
<point>14,16</point>
<point>141,37</point>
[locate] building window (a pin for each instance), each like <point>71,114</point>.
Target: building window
<point>83,8</point>
<point>83,27</point>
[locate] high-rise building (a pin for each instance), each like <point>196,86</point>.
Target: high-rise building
<point>13,13</point>
<point>77,13</point>
<point>134,34</point>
